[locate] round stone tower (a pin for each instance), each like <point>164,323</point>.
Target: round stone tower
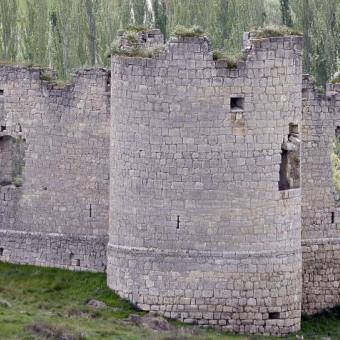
<point>205,219</point>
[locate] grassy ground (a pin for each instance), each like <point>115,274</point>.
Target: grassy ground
<point>44,301</point>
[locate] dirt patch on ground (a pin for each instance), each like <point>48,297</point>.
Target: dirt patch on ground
<point>46,331</point>
<point>157,323</point>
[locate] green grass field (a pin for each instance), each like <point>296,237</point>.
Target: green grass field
<point>43,303</point>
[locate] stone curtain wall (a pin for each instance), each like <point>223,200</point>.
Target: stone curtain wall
<point>199,230</point>
<point>61,211</point>
<point>320,210</point>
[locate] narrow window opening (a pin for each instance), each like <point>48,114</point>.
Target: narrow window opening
<point>1,92</point>
<point>77,263</point>
<point>332,217</point>
<point>108,83</point>
<point>177,222</point>
<point>236,104</point>
<point>90,210</point>
<point>1,251</point>
<point>4,196</point>
<point>274,315</point>
<point>290,160</point>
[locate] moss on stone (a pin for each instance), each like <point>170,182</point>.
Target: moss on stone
<point>230,59</point>
<point>137,28</point>
<point>137,52</point>
<point>194,31</point>
<point>275,31</point>
<point>46,77</point>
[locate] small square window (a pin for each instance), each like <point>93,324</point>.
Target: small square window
<point>1,92</point>
<point>274,315</point>
<point>236,104</point>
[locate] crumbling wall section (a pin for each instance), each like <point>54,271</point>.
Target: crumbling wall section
<point>320,208</point>
<point>62,209</point>
<point>199,229</point>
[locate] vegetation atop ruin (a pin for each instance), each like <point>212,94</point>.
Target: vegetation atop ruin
<point>230,59</point>
<point>46,77</point>
<point>336,78</point>
<point>137,28</point>
<point>275,31</point>
<point>40,303</point>
<point>194,31</point>
<point>70,34</point>
<point>136,52</point>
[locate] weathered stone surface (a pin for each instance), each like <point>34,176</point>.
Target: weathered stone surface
<point>201,227</point>
<point>195,208</point>
<point>59,215</point>
<point>320,205</point>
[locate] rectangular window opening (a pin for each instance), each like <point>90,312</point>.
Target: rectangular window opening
<point>1,92</point>
<point>332,217</point>
<point>236,104</point>
<point>177,222</point>
<point>1,251</point>
<point>77,262</point>
<point>274,315</point>
<point>290,160</point>
<point>3,128</point>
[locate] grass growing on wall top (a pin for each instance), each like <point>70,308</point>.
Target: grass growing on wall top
<point>194,31</point>
<point>276,31</point>
<point>136,52</point>
<point>230,59</point>
<point>35,299</point>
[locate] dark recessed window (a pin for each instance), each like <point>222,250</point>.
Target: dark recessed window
<point>3,128</point>
<point>290,160</point>
<point>1,251</point>
<point>274,315</point>
<point>237,104</point>
<point>1,92</point>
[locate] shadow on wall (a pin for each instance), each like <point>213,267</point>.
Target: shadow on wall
<point>12,155</point>
<point>290,160</point>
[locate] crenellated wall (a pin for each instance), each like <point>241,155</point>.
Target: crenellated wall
<point>183,180</point>
<point>61,210</point>
<point>199,229</point>
<point>320,206</point>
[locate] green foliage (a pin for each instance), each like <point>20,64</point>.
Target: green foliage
<point>137,28</point>
<point>230,59</point>
<point>132,37</point>
<point>275,31</point>
<point>194,31</point>
<point>286,13</point>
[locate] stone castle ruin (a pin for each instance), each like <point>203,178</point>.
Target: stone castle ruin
<point>205,192</point>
